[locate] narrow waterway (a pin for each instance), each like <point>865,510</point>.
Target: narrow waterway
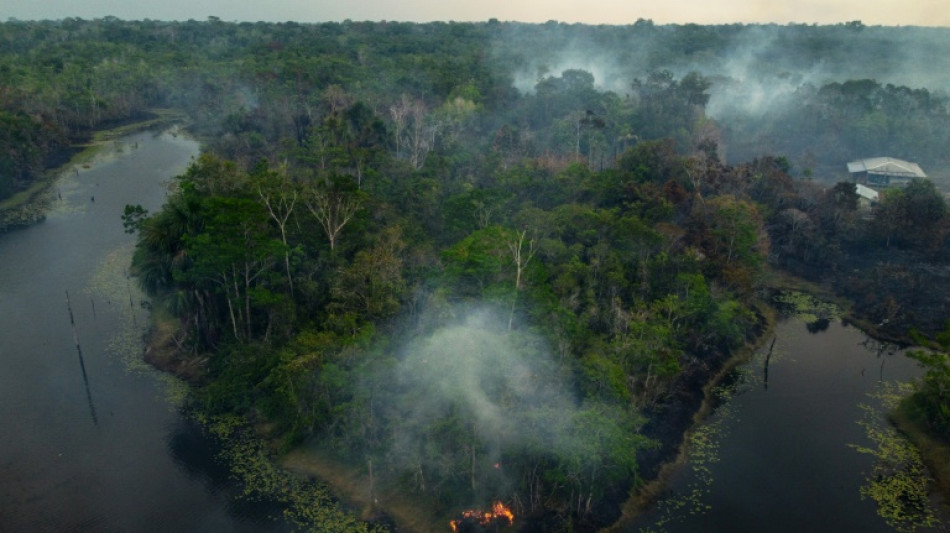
<point>779,454</point>
<point>92,439</point>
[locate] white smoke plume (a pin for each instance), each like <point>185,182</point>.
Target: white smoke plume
<point>497,382</point>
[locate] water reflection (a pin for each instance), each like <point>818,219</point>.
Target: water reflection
<point>768,358</point>
<point>818,325</point>
<point>196,456</point>
<point>133,468</point>
<point>82,362</point>
<point>775,456</point>
<point>883,351</point>
<point>193,454</point>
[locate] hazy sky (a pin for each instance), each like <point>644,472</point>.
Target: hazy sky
<point>871,12</point>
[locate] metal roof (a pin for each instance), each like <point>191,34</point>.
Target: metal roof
<point>888,166</point>
<point>866,192</point>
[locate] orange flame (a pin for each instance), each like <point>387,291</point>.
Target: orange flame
<point>484,518</point>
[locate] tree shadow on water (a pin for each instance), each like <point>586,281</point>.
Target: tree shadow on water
<point>197,455</point>
<point>818,326</point>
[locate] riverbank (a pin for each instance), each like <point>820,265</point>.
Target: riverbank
<point>113,451</point>
<point>694,400</point>
<point>384,505</point>
<point>355,488</point>
<point>643,497</point>
<point>934,451</point>
<point>690,403</point>
<point>776,282</point>
<point>31,205</point>
<point>163,350</point>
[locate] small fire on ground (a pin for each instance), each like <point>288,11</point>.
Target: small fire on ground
<point>498,515</point>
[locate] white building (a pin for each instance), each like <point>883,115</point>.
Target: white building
<point>884,171</point>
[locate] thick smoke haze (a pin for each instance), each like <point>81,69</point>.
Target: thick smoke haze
<point>609,74</point>
<point>492,379</point>
<point>466,400</point>
<point>752,69</point>
<point>760,76</point>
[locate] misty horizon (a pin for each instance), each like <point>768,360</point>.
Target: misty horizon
<point>918,13</point>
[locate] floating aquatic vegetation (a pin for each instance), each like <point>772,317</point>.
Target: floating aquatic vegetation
<point>112,287</point>
<point>898,482</point>
<point>805,306</point>
<point>702,446</point>
<point>60,202</point>
<point>21,217</point>
<point>308,504</point>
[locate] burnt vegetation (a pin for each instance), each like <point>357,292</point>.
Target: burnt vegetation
<point>366,189</point>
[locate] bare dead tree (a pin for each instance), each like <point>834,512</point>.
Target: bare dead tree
<point>333,210</point>
<point>521,258</point>
<point>336,98</point>
<point>399,112</point>
<point>421,135</point>
<point>414,128</point>
<point>279,202</point>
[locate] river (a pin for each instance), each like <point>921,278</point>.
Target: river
<point>93,439</point>
<point>779,452</point>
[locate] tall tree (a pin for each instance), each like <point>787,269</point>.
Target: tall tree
<point>234,252</point>
<point>521,257</point>
<point>333,205</point>
<point>279,196</point>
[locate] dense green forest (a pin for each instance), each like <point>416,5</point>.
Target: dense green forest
<point>819,95</point>
<point>477,264</point>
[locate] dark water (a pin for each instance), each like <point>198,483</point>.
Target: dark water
<point>777,457</point>
<point>94,442</point>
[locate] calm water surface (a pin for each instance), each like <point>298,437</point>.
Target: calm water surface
<point>94,442</point>
<point>778,457</point>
